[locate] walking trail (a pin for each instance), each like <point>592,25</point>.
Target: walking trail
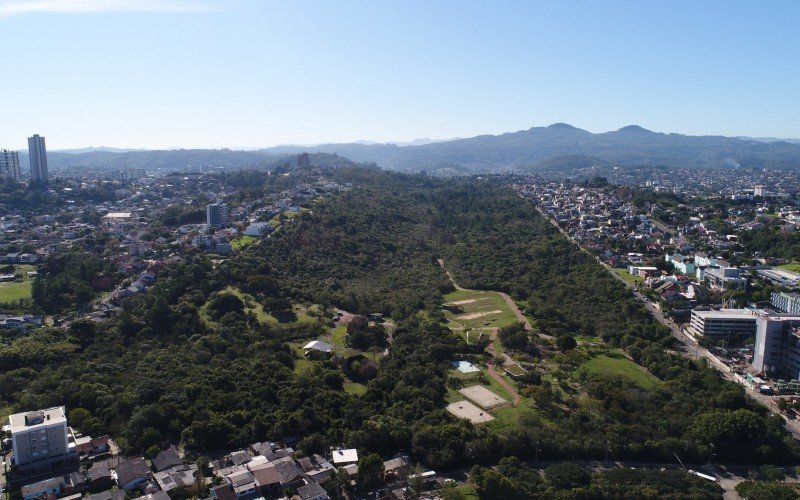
<point>490,348</point>
<point>493,373</point>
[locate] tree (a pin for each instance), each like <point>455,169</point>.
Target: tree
<point>566,342</point>
<point>83,331</point>
<point>370,471</point>
<point>415,480</point>
<point>224,303</point>
<point>567,475</point>
<point>514,336</point>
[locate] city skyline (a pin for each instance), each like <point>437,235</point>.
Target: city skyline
<point>210,74</point>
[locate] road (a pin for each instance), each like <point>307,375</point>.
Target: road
<point>687,345</point>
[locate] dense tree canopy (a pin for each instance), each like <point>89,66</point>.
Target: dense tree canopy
<point>191,361</point>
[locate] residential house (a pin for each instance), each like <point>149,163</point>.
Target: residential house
<point>344,457</point>
<point>52,486</point>
<point>132,473</point>
<point>167,459</point>
<point>312,491</point>
<point>181,475</point>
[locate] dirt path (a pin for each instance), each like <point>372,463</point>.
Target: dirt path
<point>513,305</point>
<point>494,374</point>
<point>441,264</point>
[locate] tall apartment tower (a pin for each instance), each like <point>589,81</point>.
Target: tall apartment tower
<point>9,164</point>
<point>303,160</point>
<point>38,156</point>
<point>40,440</point>
<point>217,215</point>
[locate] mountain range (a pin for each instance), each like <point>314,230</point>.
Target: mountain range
<point>558,146</point>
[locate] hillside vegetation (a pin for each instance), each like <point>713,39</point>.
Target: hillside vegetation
<point>191,361</point>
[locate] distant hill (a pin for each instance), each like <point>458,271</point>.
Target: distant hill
<point>559,147</point>
<point>770,139</point>
<point>526,149</point>
<point>101,149</point>
<point>181,159</point>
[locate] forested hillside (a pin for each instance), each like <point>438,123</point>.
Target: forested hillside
<point>199,360</point>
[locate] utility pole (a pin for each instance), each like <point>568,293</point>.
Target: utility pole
<point>679,461</point>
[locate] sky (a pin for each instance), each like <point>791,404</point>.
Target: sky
<point>256,73</point>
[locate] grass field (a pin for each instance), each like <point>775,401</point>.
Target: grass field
<point>251,305</point>
<point>302,365</point>
<point>15,290</point>
<point>623,367</point>
<point>630,278</point>
<point>792,266</point>
<point>243,241</point>
<point>355,388</point>
<point>470,309</point>
<point>338,335</point>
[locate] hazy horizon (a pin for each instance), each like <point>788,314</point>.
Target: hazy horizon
<point>357,141</point>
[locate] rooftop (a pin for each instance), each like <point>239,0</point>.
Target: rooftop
<point>29,420</point>
<point>342,456</point>
<point>726,313</point>
<point>318,345</point>
<point>466,410</point>
<point>483,397</point>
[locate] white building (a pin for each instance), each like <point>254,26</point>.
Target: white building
<point>258,229</point>
<point>777,345</point>
<point>786,302</point>
<point>723,323</point>
<point>38,157</point>
<point>725,277</point>
<point>9,164</point>
<point>780,276</point>
<point>40,440</point>
<point>759,190</point>
<point>683,265</point>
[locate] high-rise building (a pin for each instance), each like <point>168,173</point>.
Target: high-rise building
<point>38,157</point>
<point>303,160</point>
<point>9,164</point>
<point>40,440</point>
<point>217,215</point>
<point>776,351</point>
<point>759,190</point>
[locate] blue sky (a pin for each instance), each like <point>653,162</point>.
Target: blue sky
<point>242,73</point>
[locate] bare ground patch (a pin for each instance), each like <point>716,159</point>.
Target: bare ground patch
<point>477,315</point>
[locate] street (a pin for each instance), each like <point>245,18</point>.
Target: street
<point>687,345</point>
